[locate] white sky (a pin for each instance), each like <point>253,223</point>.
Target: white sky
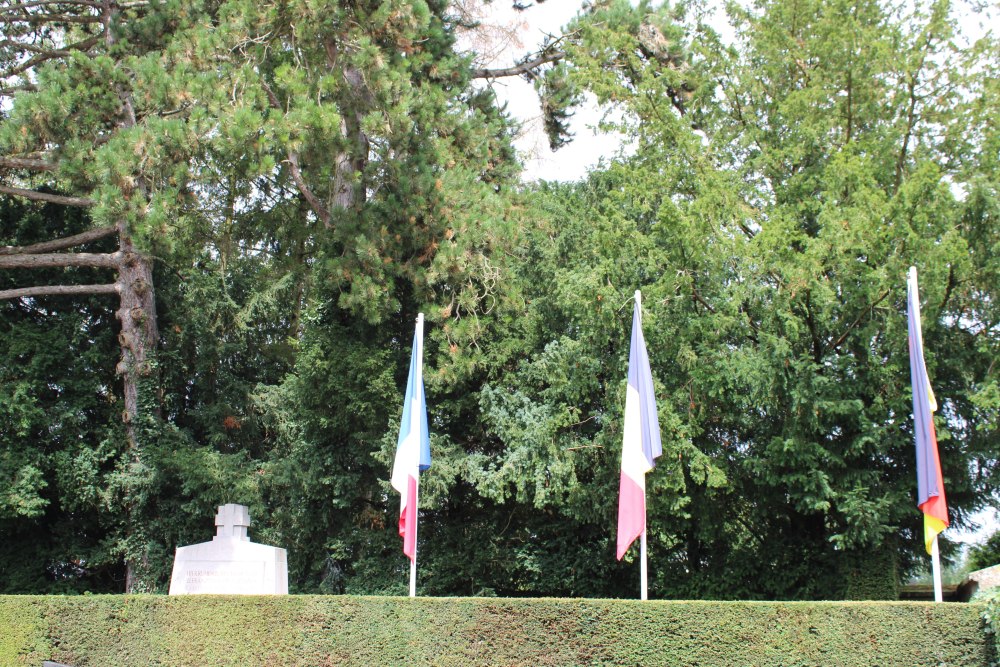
<point>572,161</point>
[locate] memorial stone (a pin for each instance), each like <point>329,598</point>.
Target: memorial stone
<point>230,564</point>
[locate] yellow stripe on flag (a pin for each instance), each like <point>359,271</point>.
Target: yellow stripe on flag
<point>932,526</point>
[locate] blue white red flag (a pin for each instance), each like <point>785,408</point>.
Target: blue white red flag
<point>641,442</point>
<point>413,448</point>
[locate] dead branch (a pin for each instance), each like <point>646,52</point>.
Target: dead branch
<point>58,290</point>
<point>60,244</point>
<point>61,259</point>
<point>26,163</point>
<point>520,68</point>
<point>46,3</point>
<point>49,18</point>
<point>34,195</point>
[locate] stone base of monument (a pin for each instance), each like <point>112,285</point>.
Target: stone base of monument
<point>230,564</point>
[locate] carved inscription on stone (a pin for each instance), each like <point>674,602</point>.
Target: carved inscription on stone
<point>224,578</point>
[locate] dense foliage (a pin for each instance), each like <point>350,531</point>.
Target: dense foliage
<point>60,430</point>
<point>777,193</point>
<point>351,630</point>
<point>985,554</point>
<point>308,176</point>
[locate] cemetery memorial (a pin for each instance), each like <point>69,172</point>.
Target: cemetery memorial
<point>230,564</point>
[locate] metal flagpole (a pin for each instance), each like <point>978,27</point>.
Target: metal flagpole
<point>416,495</point>
<point>936,570</point>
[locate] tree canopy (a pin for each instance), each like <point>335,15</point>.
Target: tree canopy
<point>302,178</point>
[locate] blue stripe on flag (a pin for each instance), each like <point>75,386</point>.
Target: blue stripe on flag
<point>412,402</point>
<point>641,379</point>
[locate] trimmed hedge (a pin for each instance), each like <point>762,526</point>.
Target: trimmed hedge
<point>347,630</point>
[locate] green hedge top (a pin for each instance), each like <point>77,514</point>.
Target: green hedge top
<point>346,630</point>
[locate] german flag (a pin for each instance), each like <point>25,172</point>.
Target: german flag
<point>930,484</point>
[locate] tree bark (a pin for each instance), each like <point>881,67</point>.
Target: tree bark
<point>346,192</point>
<point>138,338</point>
<point>137,313</point>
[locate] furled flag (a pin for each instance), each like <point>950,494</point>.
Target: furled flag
<point>930,485</point>
<point>413,448</point>
<point>641,442</point>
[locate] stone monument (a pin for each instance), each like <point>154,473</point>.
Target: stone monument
<point>230,564</point>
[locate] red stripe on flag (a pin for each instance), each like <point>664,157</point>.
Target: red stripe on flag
<point>936,506</point>
<point>631,513</point>
<point>408,519</point>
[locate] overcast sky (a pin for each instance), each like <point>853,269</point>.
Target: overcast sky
<point>572,161</point>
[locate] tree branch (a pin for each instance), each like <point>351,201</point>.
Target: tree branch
<point>520,68</point>
<point>26,163</point>
<point>58,260</point>
<point>44,55</point>
<point>814,334</point>
<point>50,18</point>
<point>60,244</point>
<point>46,197</point>
<point>857,321</point>
<point>58,290</point>
<point>695,296</point>
<point>45,3</point>
<point>317,206</point>
<point>293,162</point>
<point>952,283</point>
<point>911,116</point>
<point>26,87</point>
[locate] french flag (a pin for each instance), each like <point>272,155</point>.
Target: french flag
<point>641,442</point>
<point>413,448</point>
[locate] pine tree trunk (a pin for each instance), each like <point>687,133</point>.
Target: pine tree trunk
<point>139,333</point>
<point>138,338</point>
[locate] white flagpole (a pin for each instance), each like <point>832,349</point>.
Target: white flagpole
<point>643,568</point>
<point>413,563</point>
<point>936,570</point>
<point>416,418</point>
<point>911,278</point>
